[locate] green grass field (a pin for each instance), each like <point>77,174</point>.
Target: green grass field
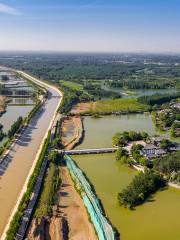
<point>72,85</point>
<point>119,105</point>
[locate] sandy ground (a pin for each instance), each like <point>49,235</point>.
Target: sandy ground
<point>70,219</point>
<point>72,208</point>
<point>73,124</point>
<point>46,229</point>
<point>82,107</point>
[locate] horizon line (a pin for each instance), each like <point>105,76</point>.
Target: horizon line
<point>92,52</point>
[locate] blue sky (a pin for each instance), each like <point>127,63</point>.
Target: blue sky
<point>96,25</point>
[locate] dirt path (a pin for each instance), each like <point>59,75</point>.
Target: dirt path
<point>72,208</point>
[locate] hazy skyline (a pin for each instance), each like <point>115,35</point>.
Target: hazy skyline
<point>82,25</point>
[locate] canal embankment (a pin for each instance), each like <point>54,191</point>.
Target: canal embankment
<point>27,148</point>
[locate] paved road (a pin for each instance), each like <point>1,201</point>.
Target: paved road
<point>21,159</point>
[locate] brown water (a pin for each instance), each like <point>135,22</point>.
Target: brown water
<point>99,131</point>
<point>155,220</point>
<point>16,167</point>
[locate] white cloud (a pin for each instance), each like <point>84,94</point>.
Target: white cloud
<point>8,9</point>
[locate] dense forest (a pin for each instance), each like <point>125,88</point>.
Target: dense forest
<point>95,75</point>
<point>130,71</point>
<point>158,99</point>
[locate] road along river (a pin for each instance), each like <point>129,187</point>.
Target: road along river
<point>24,154</point>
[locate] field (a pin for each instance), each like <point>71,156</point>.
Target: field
<point>72,85</point>
<point>119,105</point>
<point>124,105</point>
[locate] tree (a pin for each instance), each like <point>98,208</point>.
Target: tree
<point>143,161</point>
<point>141,187</point>
<point>53,156</point>
<point>165,144</point>
<point>120,153</point>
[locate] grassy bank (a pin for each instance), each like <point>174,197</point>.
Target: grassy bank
<point>72,85</point>
<point>118,105</point>
<point>48,195</point>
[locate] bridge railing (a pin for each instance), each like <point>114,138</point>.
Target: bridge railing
<point>89,151</point>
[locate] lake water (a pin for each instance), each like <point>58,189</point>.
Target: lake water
<point>140,92</point>
<point>155,220</point>
<point>11,115</point>
<point>99,131</point>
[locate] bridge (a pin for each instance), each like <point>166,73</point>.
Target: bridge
<point>88,151</point>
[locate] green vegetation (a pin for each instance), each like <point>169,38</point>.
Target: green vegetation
<point>50,187</point>
<point>175,129</point>
<point>75,93</point>
<point>33,111</point>
<point>71,85</point>
<point>14,225</point>
<point>141,187</point>
<point>15,127</point>
<point>166,144</point>
<point>5,146</point>
<point>116,71</point>
<point>119,106</point>
<point>123,156</point>
<point>2,134</point>
<point>121,139</point>
<point>72,95</point>
<point>136,154</point>
<point>168,119</point>
<point>169,166</point>
<point>158,99</point>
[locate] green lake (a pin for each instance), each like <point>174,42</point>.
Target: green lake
<point>157,219</point>
<point>99,131</point>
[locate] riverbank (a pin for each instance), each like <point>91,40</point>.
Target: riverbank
<point>68,209</point>
<point>113,106</point>
<point>31,159</point>
<point>72,130</point>
<point>71,205</point>
<point>73,210</point>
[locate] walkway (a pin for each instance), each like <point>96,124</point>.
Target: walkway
<point>88,151</point>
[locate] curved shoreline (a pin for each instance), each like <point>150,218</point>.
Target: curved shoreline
<point>38,82</point>
<point>78,134</point>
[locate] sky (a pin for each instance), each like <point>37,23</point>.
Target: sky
<point>90,25</point>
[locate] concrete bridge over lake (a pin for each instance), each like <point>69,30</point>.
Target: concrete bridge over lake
<point>88,151</point>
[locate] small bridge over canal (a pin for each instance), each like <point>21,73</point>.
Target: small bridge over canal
<point>88,151</point>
